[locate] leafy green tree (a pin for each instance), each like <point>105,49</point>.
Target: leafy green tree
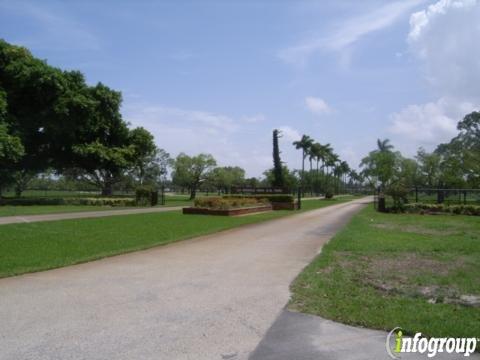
<point>467,147</point>
<point>279,180</point>
<point>105,151</point>
<point>191,171</point>
<point>290,179</point>
<point>224,178</point>
<point>380,166</point>
<point>150,163</point>
<point>430,169</point>
<point>11,151</point>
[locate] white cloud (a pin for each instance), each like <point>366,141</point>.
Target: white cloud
<point>206,121</point>
<point>289,133</point>
<point>349,32</point>
<point>444,38</point>
<point>429,124</point>
<point>232,141</point>
<point>317,105</point>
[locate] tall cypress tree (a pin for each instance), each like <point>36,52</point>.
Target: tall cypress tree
<point>279,180</point>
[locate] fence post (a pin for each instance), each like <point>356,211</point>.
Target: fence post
<point>416,194</point>
<point>464,197</point>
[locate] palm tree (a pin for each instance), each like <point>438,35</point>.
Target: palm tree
<point>384,145</point>
<point>305,143</point>
<point>316,151</point>
<point>344,170</point>
<point>331,160</point>
<point>325,153</point>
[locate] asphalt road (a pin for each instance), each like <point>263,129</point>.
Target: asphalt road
<point>212,297</point>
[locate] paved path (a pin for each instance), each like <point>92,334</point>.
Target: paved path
<point>212,297</point>
<point>82,215</point>
<point>307,337</point>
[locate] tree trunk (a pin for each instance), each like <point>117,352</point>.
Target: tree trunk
<point>193,192</point>
<point>107,189</point>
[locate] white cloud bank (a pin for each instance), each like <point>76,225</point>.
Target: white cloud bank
<point>348,32</point>
<point>194,131</point>
<point>444,37</point>
<point>431,123</point>
<point>317,105</point>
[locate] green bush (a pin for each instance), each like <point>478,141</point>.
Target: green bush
<point>399,194</point>
<point>329,194</point>
<point>273,198</point>
<point>146,195</point>
<point>423,208</point>
<point>224,203</point>
<point>96,201</point>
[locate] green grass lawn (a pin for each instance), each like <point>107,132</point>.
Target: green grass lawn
<point>388,270</point>
<point>10,210</point>
<point>45,245</point>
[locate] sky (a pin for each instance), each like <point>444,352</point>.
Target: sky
<point>218,76</point>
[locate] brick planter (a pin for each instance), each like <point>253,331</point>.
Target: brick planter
<point>226,212</point>
<point>285,205</point>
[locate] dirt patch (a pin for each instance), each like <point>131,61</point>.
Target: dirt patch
<point>415,229</point>
<point>397,276</point>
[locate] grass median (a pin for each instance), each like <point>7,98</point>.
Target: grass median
<point>46,245</point>
<point>418,272</point>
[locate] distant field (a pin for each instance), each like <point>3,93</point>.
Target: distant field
<point>39,246</point>
<point>388,270</point>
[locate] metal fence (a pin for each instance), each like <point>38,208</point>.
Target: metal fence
<point>436,196</point>
<point>444,196</point>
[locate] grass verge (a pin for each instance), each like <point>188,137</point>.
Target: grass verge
<point>10,210</point>
<point>387,270</point>
<point>46,245</point>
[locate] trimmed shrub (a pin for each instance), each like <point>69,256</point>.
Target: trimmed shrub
<point>423,208</point>
<point>225,203</point>
<point>146,195</point>
<point>329,194</point>
<point>399,193</point>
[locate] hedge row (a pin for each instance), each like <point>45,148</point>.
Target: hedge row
<point>225,203</point>
<point>442,208</point>
<point>273,198</point>
<point>69,201</point>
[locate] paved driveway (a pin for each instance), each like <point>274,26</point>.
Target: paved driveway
<point>212,297</point>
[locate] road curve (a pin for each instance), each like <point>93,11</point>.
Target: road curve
<point>213,297</point>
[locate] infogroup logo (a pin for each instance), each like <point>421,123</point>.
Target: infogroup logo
<point>397,343</point>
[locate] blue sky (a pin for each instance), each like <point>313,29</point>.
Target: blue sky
<point>218,76</point>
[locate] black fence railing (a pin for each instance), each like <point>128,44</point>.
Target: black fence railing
<point>435,196</point>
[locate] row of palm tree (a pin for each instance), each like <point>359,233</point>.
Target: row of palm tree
<point>328,163</point>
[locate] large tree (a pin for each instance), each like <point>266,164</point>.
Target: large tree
<point>106,150</point>
<point>191,171</point>
<point>64,124</point>
<point>224,178</point>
